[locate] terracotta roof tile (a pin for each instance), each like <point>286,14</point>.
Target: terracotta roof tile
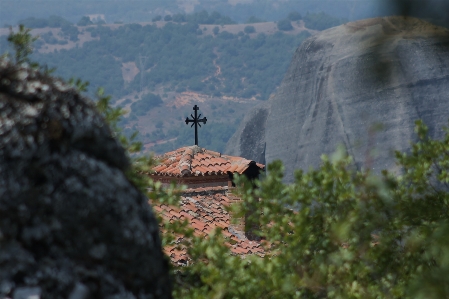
<point>193,160</point>
<point>206,211</point>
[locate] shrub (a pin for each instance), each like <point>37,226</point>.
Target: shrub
<point>196,85</point>
<point>285,25</point>
<point>84,21</point>
<point>148,102</point>
<point>70,31</point>
<point>294,16</point>
<point>249,29</point>
<point>225,35</point>
<point>156,18</point>
<point>179,18</point>
<point>253,19</point>
<point>321,21</point>
<point>334,229</point>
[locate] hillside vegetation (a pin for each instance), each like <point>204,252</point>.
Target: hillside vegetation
<point>182,56</point>
<point>201,53</point>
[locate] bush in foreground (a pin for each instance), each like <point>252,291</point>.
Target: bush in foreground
<point>337,232</point>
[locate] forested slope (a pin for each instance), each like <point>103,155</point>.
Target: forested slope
<point>201,55</point>
<point>181,57</point>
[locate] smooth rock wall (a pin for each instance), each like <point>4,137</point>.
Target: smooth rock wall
<point>345,81</point>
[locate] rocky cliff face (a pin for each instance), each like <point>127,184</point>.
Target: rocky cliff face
<point>347,80</point>
<point>71,224</point>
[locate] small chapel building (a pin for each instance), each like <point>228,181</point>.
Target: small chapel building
<point>208,176</point>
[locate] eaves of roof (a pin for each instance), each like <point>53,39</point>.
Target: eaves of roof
<point>196,161</point>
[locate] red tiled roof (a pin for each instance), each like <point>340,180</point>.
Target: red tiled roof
<point>196,161</point>
<point>205,209</point>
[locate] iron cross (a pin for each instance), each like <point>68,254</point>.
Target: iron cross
<point>196,121</point>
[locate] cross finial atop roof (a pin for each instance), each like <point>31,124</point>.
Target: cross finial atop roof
<point>196,120</point>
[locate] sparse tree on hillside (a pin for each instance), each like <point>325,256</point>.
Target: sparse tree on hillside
<point>253,19</point>
<point>294,16</point>
<point>285,25</point>
<point>85,21</point>
<point>179,18</point>
<point>22,42</point>
<point>156,18</point>
<point>148,102</point>
<point>249,29</point>
<point>321,21</point>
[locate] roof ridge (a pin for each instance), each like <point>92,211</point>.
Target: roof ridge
<point>205,191</point>
<point>185,163</point>
<point>195,161</point>
<point>214,153</point>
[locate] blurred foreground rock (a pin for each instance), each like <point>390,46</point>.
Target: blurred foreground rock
<point>71,224</point>
<point>345,82</point>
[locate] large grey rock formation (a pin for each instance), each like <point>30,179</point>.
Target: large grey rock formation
<point>71,224</point>
<point>345,80</point>
<point>249,140</point>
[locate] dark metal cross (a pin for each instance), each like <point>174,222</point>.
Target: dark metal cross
<point>196,121</point>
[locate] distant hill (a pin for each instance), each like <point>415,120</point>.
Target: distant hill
<point>61,42</point>
<point>223,68</point>
<point>197,58</point>
<point>143,11</point>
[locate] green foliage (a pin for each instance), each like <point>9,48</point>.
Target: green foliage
<point>156,18</point>
<point>167,18</point>
<point>260,61</point>
<point>321,21</point>
<point>179,18</point>
<point>203,17</point>
<point>70,31</point>
<point>196,85</point>
<point>82,87</point>
<point>22,43</point>
<point>253,19</point>
<point>284,25</point>
<point>337,232</point>
<point>49,38</point>
<point>294,16</point>
<point>215,30</point>
<point>95,64</point>
<point>249,29</point>
<point>84,21</point>
<point>179,57</point>
<point>52,21</point>
<point>148,102</point>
